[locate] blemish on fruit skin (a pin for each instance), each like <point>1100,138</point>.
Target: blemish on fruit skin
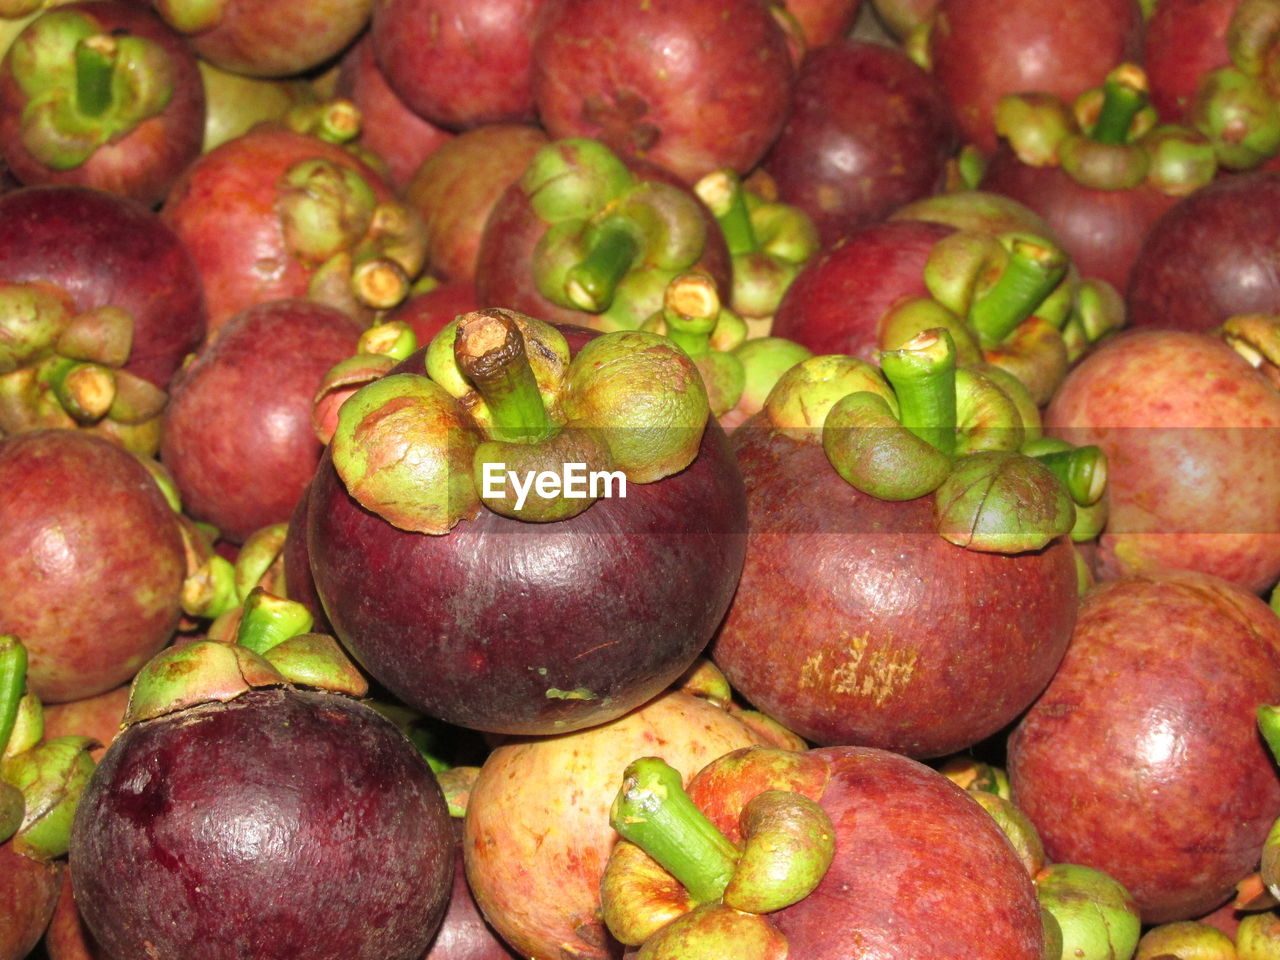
<point>876,676</point>
<point>581,693</point>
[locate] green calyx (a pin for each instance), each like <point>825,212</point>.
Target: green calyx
<point>51,776</point>
<point>334,121</point>
<point>191,16</point>
<point>1115,114</point>
<point>363,253</point>
<point>955,433</point>
<point>867,445</point>
<point>1096,914</point>
<point>1107,152</point>
<point>1032,271</point>
<point>1034,124</point>
<point>555,479</point>
<point>977,776</point>
<point>899,450</point>
<point>403,448</point>
<point>1016,826</point>
<point>996,282</point>
<point>504,419</point>
<point>1251,37</point>
<point>1083,472</point>
<point>83,87</point>
<point>1191,938</point>
<point>788,841</point>
<point>802,398</point>
<point>653,811</point>
<point>923,375</point>
<point>213,587</point>
<point>999,501</point>
<point>1002,298</point>
<point>693,317</point>
<point>40,780</point>
<point>769,241</point>
<point>606,228</point>
<point>1181,159</point>
<point>379,348</point>
<point>325,208</point>
<point>63,369</point>
<point>1096,310</point>
<point>1109,138</point>
<point>1268,717</point>
<point>574,178</point>
<point>272,647</point>
<point>675,878</point>
<point>208,585</point>
<point>1239,116</point>
<point>765,360</point>
<point>1270,865</point>
<point>13,685</point>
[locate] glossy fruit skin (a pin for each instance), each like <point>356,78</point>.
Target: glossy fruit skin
<point>107,250</point>
<point>515,627</point>
<point>91,561</point>
<point>388,127</point>
<point>1192,437</point>
<point>894,638</point>
<point>459,63</point>
<point>868,131</point>
<point>1101,230</point>
<point>1211,256</point>
<point>535,865</point>
<point>920,869</point>
<point>143,162</point>
<point>311,825</point>
<point>223,208</point>
<point>836,303</point>
<point>1142,758</point>
<point>503,266</point>
<point>984,49</point>
<point>1184,40</point>
<point>28,894</point>
<point>237,435</point>
<point>692,85</point>
<point>275,39</point>
<point>456,189</point>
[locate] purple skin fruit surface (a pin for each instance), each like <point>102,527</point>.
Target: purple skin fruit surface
<point>283,824</point>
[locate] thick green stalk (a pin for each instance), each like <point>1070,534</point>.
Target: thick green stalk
<point>653,812</point>
<point>13,684</point>
<point>923,374</point>
<point>1082,470</point>
<point>723,193</point>
<point>1032,272</point>
<point>95,68</point>
<point>690,308</point>
<point>491,353</point>
<point>1124,94</point>
<point>1269,724</point>
<point>591,283</point>
<point>269,620</point>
